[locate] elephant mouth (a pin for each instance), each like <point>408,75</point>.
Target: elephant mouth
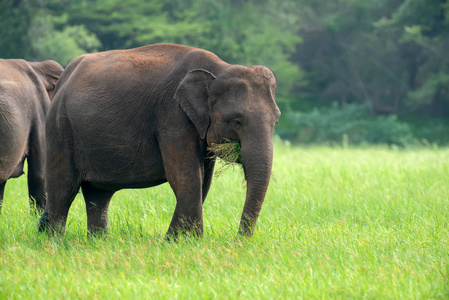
<point>228,152</point>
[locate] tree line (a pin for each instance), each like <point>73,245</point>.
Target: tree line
<point>387,57</point>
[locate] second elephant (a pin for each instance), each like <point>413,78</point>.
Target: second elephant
<point>25,92</point>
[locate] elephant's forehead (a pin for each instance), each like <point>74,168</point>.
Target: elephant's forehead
<point>235,104</point>
<point>230,85</point>
<point>241,77</point>
<point>243,73</point>
<point>246,90</point>
<point>238,89</point>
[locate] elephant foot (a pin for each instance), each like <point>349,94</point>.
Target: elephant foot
<point>97,232</point>
<point>43,222</point>
<point>49,226</point>
<point>185,229</point>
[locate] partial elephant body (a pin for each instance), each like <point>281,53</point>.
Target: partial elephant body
<point>141,117</point>
<point>24,100</point>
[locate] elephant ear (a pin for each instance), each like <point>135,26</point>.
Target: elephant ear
<point>49,72</point>
<point>192,95</point>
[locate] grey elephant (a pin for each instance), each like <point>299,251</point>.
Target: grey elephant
<point>25,92</point>
<point>141,117</point>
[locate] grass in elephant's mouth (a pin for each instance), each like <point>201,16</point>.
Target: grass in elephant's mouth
<point>228,152</point>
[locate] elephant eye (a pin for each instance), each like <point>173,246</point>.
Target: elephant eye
<point>236,123</point>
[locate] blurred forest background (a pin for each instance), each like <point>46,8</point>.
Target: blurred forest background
<point>349,71</point>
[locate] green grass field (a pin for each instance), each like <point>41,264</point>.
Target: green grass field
<point>336,223</point>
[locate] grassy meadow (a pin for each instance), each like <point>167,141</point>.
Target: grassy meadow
<point>336,223</point>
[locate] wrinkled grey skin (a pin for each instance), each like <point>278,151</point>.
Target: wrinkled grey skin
<point>141,117</point>
<point>25,92</point>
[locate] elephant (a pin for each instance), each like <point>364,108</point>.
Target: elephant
<point>141,117</point>
<point>26,89</point>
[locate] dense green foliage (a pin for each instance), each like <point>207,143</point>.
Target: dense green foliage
<point>390,54</point>
<point>348,125</point>
<point>336,223</point>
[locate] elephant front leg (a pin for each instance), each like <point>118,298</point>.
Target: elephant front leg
<point>209,165</point>
<point>184,170</point>
<point>188,216</point>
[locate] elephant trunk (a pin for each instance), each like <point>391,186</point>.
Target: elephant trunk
<point>257,161</point>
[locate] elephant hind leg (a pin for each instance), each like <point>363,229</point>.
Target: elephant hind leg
<point>59,201</point>
<point>36,170</point>
<point>2,191</point>
<point>97,205</point>
<point>62,177</point>
<point>63,183</point>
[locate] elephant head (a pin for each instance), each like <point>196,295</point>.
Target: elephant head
<point>239,105</point>
<point>48,72</point>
